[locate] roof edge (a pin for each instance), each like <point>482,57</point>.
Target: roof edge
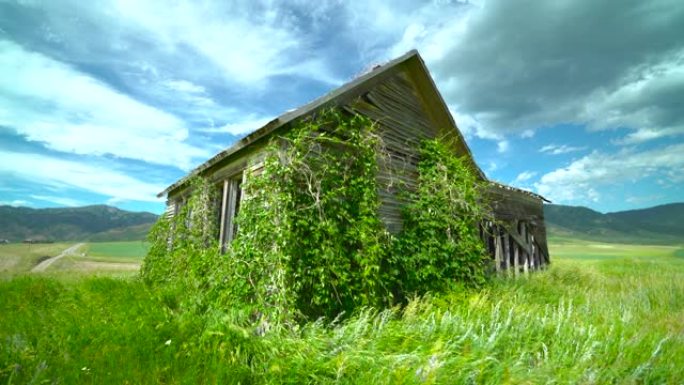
<point>289,116</point>
<point>516,189</point>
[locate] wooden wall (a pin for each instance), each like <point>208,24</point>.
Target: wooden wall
<point>516,238</point>
<point>518,231</point>
<point>402,124</point>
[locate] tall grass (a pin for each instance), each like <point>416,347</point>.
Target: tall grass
<point>605,321</point>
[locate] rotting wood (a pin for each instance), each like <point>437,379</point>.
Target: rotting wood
<point>498,254</point>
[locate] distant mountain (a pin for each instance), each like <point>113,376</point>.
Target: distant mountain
<point>97,223</point>
<point>659,225</point>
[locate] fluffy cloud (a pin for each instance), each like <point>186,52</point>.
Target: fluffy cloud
<point>50,102</point>
<point>514,66</point>
<point>581,180</point>
<point>523,177</point>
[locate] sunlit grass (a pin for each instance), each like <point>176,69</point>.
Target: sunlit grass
<point>19,258</point>
<point>614,319</point>
<point>129,250</point>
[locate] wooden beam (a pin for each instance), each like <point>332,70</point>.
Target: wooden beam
<point>516,259</point>
<point>222,228</point>
<point>498,249</point>
<point>517,237</point>
<point>506,251</point>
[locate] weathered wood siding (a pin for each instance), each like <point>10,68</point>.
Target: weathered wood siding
<point>402,124</point>
<point>520,216</point>
<point>407,109</point>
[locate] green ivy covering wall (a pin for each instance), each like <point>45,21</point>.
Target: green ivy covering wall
<point>309,240</point>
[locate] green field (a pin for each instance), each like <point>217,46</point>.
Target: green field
<point>602,313</point>
<point>589,250</point>
<point>94,257</point>
<point>130,251</point>
<point>19,258</point>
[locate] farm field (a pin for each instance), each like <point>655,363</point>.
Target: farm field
<point>602,313</point>
<point>96,257</point>
<point>17,258</point>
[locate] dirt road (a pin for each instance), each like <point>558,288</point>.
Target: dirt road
<point>46,263</point>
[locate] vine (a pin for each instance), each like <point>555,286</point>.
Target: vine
<point>440,244</point>
<point>309,240</point>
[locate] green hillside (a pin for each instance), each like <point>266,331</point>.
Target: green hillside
<point>96,223</point>
<point>660,225</point>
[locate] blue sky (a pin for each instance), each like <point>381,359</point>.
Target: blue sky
<point>111,101</point>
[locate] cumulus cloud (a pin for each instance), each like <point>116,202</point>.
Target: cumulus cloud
<point>582,179</point>
<point>515,66</point>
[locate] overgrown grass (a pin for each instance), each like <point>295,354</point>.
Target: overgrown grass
<point>617,320</point>
<point>19,258</point>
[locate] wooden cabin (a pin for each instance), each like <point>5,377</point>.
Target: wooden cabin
<point>402,99</point>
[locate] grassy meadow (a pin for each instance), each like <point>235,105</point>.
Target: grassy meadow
<point>95,257</point>
<point>18,258</point>
<point>602,313</point>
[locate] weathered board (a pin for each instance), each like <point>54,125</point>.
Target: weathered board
<point>403,100</point>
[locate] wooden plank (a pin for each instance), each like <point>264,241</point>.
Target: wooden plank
<point>170,210</point>
<point>222,227</point>
<point>516,259</point>
<point>527,253</point>
<point>506,251</point>
<point>498,253</point>
<point>516,237</point>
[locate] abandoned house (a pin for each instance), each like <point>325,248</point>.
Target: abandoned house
<point>401,97</point>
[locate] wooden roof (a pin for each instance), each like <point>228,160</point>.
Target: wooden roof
<point>411,63</point>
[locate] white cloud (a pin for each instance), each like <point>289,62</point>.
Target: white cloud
<point>502,146</point>
<point>645,134</point>
<point>644,198</point>
<point>523,177</point>
<point>50,102</point>
<point>16,203</point>
<point>527,134</point>
<point>471,126</point>
<point>184,86</point>
<point>581,179</point>
<point>526,66</point>
<point>64,174</point>
<point>555,149</point>
<point>248,125</point>
<point>63,201</point>
<point>249,42</point>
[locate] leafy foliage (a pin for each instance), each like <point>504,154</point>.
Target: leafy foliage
<point>184,250</point>
<point>440,242</point>
<point>309,239</point>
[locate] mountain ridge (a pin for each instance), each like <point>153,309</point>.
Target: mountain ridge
<point>662,224</point>
<point>94,222</point>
